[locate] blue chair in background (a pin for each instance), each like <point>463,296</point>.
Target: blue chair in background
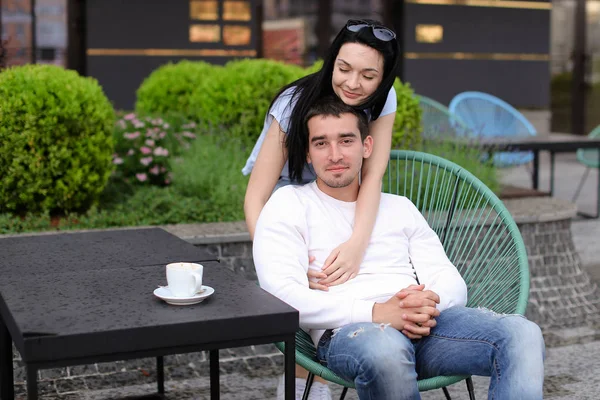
<point>489,116</point>
<point>438,121</point>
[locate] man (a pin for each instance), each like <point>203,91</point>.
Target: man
<point>382,329</point>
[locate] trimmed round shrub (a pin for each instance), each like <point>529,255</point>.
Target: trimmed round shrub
<point>167,90</point>
<point>55,140</point>
<point>241,94</point>
<point>315,67</point>
<point>407,125</point>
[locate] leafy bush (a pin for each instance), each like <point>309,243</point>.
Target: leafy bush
<point>149,205</point>
<point>407,125</point>
<point>55,139</point>
<point>241,94</point>
<point>143,147</point>
<point>561,103</point>
<point>168,89</point>
<point>314,68</point>
<point>562,82</point>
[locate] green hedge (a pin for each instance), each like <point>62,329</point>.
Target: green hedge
<point>241,94</point>
<point>55,140</point>
<point>560,88</point>
<point>168,89</point>
<point>237,96</point>
<point>407,125</point>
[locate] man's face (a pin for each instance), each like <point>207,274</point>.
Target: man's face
<point>336,150</point>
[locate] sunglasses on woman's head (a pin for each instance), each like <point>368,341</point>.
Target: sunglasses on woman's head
<point>380,32</point>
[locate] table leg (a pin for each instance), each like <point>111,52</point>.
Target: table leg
<point>597,214</point>
<point>536,170</point>
<point>598,188</point>
<point>214,375</point>
<point>7,390</point>
<point>32,386</point>
<point>289,368</point>
<point>551,173</point>
<point>160,374</point>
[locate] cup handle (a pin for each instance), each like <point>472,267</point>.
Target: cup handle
<point>197,282</point>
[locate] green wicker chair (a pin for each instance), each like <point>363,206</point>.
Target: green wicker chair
<point>438,121</point>
<point>479,236</point>
<point>591,159</point>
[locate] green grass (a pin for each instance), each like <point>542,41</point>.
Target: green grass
<point>468,157</point>
<point>211,172</point>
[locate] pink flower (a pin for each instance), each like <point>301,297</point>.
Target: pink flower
<point>159,151</point>
<point>122,124</point>
<point>145,150</point>
<point>146,161</point>
<point>189,135</point>
<point>131,136</point>
<point>191,125</point>
<point>162,135</point>
<point>163,169</point>
<point>154,170</point>
<point>141,177</point>
<point>149,142</point>
<point>167,181</point>
<point>130,152</point>
<point>166,126</point>
<point>138,124</point>
<point>117,161</point>
<point>129,117</point>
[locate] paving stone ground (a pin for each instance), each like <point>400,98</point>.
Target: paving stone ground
<point>571,373</point>
<point>572,357</point>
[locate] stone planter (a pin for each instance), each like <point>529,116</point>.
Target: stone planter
<point>561,291</point>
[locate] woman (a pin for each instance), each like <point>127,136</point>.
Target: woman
<point>360,68</point>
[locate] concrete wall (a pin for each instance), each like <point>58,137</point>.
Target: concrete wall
<point>480,32</point>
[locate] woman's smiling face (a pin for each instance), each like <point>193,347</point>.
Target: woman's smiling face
<point>357,73</point>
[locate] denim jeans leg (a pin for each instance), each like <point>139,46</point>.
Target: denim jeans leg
<point>379,359</point>
<point>467,341</point>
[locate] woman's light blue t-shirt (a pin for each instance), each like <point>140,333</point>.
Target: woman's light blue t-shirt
<point>281,110</point>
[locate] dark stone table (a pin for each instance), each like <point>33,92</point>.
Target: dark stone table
<point>77,298</point>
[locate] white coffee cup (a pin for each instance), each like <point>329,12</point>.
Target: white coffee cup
<point>184,279</point>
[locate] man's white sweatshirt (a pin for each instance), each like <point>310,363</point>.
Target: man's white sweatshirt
<point>301,221</point>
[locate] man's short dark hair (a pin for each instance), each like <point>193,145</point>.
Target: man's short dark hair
<point>333,106</point>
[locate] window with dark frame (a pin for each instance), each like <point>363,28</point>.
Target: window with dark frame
<point>229,24</point>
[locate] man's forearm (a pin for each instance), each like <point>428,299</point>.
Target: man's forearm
<point>319,310</point>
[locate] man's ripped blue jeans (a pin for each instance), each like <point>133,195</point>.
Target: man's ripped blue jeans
<point>385,364</point>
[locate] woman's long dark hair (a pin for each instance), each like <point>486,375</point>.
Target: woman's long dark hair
<point>310,88</point>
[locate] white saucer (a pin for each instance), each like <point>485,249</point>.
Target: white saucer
<point>165,294</point>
